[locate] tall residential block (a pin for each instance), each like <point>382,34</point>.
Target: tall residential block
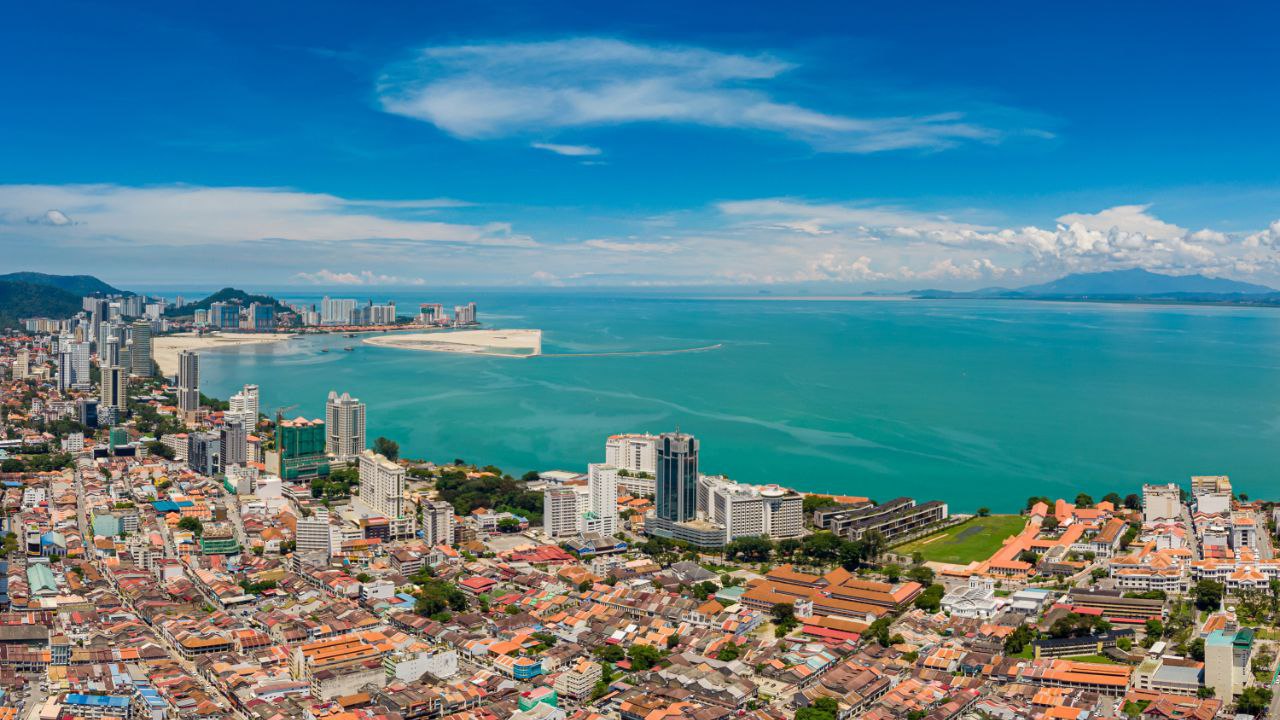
<point>188,381</point>
<point>344,416</point>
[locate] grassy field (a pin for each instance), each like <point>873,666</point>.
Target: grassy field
<point>1099,659</point>
<point>963,544</point>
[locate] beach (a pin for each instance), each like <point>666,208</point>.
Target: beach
<point>165,348</point>
<point>498,343</point>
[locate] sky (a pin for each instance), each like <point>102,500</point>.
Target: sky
<point>860,146</point>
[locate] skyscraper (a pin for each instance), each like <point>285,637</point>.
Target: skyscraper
<point>344,417</point>
<point>140,353</point>
<point>677,477</point>
<point>437,522</point>
<point>113,391</point>
<point>73,364</point>
<point>21,364</point>
<point>188,381</point>
<point>233,445</point>
<point>244,405</point>
<point>602,485</point>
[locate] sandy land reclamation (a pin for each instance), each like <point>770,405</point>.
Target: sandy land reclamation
<point>165,348</point>
<point>502,343</point>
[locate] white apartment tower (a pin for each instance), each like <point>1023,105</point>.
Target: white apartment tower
<point>633,453</point>
<point>314,533</point>
<point>602,491</point>
<point>382,491</point>
<point>188,381</point>
<point>22,364</point>
<point>244,405</point>
<point>563,508</point>
<point>114,389</point>
<point>344,425</point>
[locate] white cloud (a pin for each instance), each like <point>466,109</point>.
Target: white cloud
<point>631,247</point>
<point>502,89</point>
<point>364,277</point>
<point>199,215</point>
<point>569,150</point>
<point>1125,218</point>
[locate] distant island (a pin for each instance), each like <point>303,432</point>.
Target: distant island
<point>77,285</point>
<point>1136,285</point>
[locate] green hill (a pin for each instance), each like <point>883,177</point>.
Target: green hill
<point>23,299</point>
<point>79,285</point>
<point>227,295</point>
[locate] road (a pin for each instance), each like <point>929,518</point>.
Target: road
<point>82,517</point>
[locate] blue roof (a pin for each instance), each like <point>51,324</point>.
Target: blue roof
<point>97,700</point>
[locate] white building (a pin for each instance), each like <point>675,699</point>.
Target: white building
<point>602,491</point>
<point>21,364</point>
<point>73,364</point>
<point>975,600</point>
<point>344,426</point>
<point>114,390</point>
<point>244,405</point>
<point>563,509</point>
<point>750,510</point>
<point>382,492</point>
<point>1161,502</point>
<point>313,533</point>
<point>336,311</point>
<point>631,452</point>
<point>410,667</point>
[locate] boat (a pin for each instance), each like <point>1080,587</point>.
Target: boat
<point>324,349</point>
<point>348,348</point>
<point>350,335</point>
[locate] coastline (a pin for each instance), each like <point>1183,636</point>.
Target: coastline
<point>514,343</point>
<point>165,348</point>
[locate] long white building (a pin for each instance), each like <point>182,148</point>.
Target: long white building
<point>382,492</point>
<point>563,508</point>
<point>750,510</point>
<point>244,405</point>
<point>632,452</point>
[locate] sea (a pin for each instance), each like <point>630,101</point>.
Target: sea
<point>976,403</point>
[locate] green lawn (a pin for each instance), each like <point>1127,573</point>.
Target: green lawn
<point>1099,659</point>
<point>963,544</point>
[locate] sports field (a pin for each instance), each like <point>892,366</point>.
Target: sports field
<point>963,544</point>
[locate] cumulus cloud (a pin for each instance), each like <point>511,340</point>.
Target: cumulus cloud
<point>509,88</point>
<point>364,277</point>
<point>568,150</point>
<point>200,215</point>
<point>1132,219</point>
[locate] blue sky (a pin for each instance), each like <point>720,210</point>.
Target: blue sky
<point>877,147</point>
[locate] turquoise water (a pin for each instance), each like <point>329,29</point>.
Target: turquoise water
<point>972,402</point>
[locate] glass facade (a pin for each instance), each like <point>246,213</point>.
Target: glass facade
<point>676,484</point>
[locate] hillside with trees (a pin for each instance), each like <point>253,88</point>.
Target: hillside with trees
<point>227,295</point>
<point>23,299</point>
<point>78,285</point>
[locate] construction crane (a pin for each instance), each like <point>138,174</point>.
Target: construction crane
<point>280,411</point>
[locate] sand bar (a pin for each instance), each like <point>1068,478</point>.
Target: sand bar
<point>165,348</point>
<point>499,343</point>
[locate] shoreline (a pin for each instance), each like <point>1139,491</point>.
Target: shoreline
<point>165,348</point>
<point>524,343</point>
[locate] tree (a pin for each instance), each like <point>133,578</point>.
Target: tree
<point>751,549</point>
<point>1132,501</point>
<point>880,631</point>
<point>159,449</point>
<point>387,447</point>
<point>1196,649</point>
<point>508,525</point>
<point>704,589</point>
<point>1208,594</point>
<point>610,653</point>
<point>1050,524</point>
<point>728,652</point>
<point>437,596</point>
<point>531,476</point>
<point>673,641</point>
<point>823,708</point>
<point>1029,556</point>
<point>643,657</point>
<point>1114,499</point>
<point>984,511</point>
<point>191,525</point>
<point>921,574</point>
<point>931,599</point>
<point>1154,627</point>
<point>1084,501</point>
<point>1254,701</point>
<point>1018,639</point>
<point>892,572</point>
<point>1031,501</point>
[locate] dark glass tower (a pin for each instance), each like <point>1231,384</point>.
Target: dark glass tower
<point>676,481</point>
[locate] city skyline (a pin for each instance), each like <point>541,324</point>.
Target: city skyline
<point>460,145</point>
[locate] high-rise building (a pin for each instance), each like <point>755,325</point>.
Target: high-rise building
<point>382,491</point>
<point>233,445</point>
<point>344,416</point>
<point>1226,661</point>
<point>22,364</point>
<point>188,381</point>
<point>602,486</point>
<point>437,522</point>
<point>464,314</point>
<point>1161,502</point>
<point>109,350</point>
<point>244,406</point>
<point>676,481</point>
<point>114,390</point>
<point>73,364</point>
<point>563,508</point>
<point>336,311</point>
<point>750,510</point>
<point>224,316</point>
<point>314,534</point>
<point>632,452</point>
<point>140,362</point>
<point>261,317</point>
<point>87,412</point>
<point>203,452</point>
<point>299,451</point>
